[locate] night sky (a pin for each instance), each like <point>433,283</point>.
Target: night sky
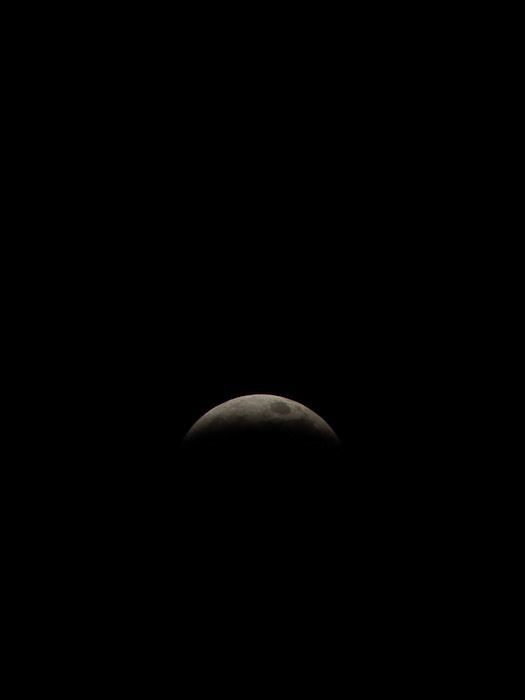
<point>256,223</point>
<point>269,250</point>
<point>238,205</point>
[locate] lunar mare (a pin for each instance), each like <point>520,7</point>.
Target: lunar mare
<point>263,419</point>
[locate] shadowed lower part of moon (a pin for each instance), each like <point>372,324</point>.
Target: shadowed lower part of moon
<point>261,429</point>
<point>259,468</point>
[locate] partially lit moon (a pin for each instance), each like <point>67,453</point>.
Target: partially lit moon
<point>261,424</point>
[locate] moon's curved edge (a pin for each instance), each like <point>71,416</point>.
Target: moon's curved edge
<point>217,409</point>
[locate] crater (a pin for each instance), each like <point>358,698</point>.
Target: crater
<point>280,407</point>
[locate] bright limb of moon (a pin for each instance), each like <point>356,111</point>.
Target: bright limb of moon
<point>263,414</point>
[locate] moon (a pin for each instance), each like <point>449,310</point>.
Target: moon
<point>258,467</point>
<point>261,427</point>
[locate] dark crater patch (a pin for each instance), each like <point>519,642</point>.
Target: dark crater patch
<point>280,407</point>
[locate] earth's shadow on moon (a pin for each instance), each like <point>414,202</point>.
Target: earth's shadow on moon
<point>260,431</point>
<point>261,452</point>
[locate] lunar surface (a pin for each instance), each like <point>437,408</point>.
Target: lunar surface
<point>261,426</point>
<point>258,469</point>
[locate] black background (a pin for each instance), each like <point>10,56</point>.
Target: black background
<point>260,219</point>
<point>257,217</point>
<point>257,212</point>
<point>260,211</point>
<point>243,204</point>
<point>262,232</point>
